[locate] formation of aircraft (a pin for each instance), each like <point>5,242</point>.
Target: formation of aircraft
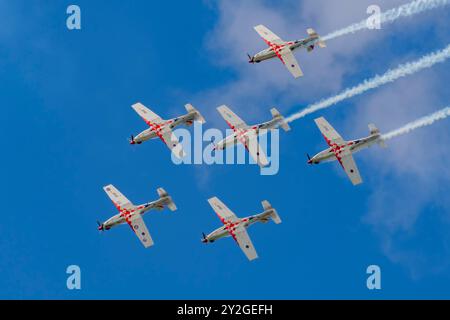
<point>237,227</point>
<point>342,150</point>
<point>248,135</point>
<point>132,214</point>
<point>283,49</point>
<point>162,129</point>
<point>339,150</point>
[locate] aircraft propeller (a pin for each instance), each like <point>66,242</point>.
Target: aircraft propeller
<point>100,226</point>
<point>250,58</point>
<point>205,239</point>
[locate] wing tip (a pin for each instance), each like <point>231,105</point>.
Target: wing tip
<point>136,105</point>
<point>223,107</point>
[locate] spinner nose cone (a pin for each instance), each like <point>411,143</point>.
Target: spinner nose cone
<point>101,226</point>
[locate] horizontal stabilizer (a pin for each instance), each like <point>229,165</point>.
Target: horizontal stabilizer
<point>277,115</point>
<point>198,115</point>
<point>313,33</point>
<point>169,202</point>
<point>373,129</point>
<point>274,215</point>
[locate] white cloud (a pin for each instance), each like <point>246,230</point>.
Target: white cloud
<point>258,87</point>
<point>408,177</point>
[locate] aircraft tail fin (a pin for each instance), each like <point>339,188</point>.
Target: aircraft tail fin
<point>313,33</point>
<point>277,115</point>
<point>169,202</point>
<point>274,215</point>
<point>198,115</point>
<point>374,130</point>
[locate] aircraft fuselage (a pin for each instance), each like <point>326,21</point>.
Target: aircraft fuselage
<point>127,214</point>
<point>354,146</point>
<point>156,128</point>
<point>224,231</point>
<point>269,53</point>
<point>241,134</point>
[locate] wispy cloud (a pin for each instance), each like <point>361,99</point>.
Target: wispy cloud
<point>395,204</point>
<point>407,180</point>
<point>255,88</point>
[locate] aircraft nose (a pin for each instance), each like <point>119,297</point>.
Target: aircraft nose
<point>101,227</point>
<point>217,147</point>
<point>204,238</point>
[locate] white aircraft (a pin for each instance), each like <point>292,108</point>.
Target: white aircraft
<point>236,227</point>
<point>131,214</point>
<point>248,135</point>
<point>283,49</point>
<point>163,128</point>
<point>342,150</point>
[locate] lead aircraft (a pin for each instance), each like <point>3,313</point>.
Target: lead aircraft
<point>283,49</point>
<point>237,227</point>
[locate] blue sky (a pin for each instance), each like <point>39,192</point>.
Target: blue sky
<point>66,98</point>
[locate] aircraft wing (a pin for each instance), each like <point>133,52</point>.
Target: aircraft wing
<point>350,168</point>
<point>329,133</point>
<point>268,35</point>
<point>254,149</point>
<point>287,57</point>
<point>148,115</point>
<point>140,229</point>
<point>119,200</point>
<point>231,118</point>
<point>225,214</point>
<point>171,140</point>
<point>245,243</point>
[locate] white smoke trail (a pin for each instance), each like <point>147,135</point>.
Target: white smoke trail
<point>390,76</point>
<point>389,16</point>
<point>419,123</point>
